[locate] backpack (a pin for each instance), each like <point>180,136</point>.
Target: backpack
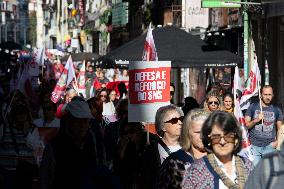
<point>273,169</point>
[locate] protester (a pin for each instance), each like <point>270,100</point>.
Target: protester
<point>109,107</point>
<point>98,125</point>
<point>228,103</point>
<point>168,123</point>
<point>222,167</point>
<point>48,124</point>
<point>131,144</point>
<point>263,123</point>
<point>122,90</point>
<point>90,72</point>
<point>269,172</point>
<point>71,93</point>
<point>173,168</point>
<point>18,146</point>
<point>124,76</point>
<point>102,94</point>
<point>101,77</point>
<point>112,130</point>
<point>189,104</point>
<point>212,102</point>
<point>71,154</point>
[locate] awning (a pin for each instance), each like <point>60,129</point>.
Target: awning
<point>179,47</point>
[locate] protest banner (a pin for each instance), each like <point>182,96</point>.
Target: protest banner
<point>149,89</point>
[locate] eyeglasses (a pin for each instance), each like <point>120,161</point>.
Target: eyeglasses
<point>213,102</point>
<point>175,120</point>
<point>216,138</point>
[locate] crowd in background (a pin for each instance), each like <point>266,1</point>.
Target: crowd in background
<point>89,143</point>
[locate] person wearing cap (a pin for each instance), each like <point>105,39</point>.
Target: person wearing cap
<point>71,154</point>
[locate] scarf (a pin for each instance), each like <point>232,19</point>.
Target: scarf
<point>241,172</point>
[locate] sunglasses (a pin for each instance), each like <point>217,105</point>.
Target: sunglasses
<point>175,120</point>
<point>103,95</point>
<point>216,139</point>
<point>213,102</point>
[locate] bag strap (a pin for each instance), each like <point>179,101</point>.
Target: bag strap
<point>166,148</point>
<point>272,170</point>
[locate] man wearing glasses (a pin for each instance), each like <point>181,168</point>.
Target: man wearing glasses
<point>262,122</point>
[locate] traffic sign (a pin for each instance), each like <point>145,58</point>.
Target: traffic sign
<point>221,3</point>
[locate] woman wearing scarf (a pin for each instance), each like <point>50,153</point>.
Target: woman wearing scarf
<point>222,167</point>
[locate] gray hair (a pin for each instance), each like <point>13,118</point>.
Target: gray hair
<point>192,116</point>
<point>71,91</point>
<point>161,117</point>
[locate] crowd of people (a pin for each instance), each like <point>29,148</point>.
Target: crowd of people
<point>88,142</point>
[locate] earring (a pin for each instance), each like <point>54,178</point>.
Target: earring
<point>209,144</point>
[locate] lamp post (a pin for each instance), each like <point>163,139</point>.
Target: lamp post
<point>246,36</point>
<point>246,6</point>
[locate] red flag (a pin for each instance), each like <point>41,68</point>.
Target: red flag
<point>149,53</point>
<point>246,145</point>
<point>65,79</point>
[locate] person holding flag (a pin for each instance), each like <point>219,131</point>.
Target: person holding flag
<point>65,79</point>
<point>263,120</point>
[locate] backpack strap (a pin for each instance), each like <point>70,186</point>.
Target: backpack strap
<point>166,148</point>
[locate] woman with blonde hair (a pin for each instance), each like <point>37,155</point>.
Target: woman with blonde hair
<point>212,102</point>
<point>173,168</point>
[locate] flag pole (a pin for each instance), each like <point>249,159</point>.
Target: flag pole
<point>148,61</point>
<point>76,84</point>
<point>260,102</point>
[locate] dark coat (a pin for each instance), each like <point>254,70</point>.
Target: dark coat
<point>65,165</point>
<point>151,164</point>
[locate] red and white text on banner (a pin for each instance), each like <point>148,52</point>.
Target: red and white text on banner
<point>149,85</point>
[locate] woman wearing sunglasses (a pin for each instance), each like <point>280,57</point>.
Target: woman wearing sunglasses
<point>222,167</point>
<point>168,123</point>
<point>173,168</point>
<point>212,102</point>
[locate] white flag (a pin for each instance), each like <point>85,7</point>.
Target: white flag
<point>246,145</point>
<point>65,79</point>
<point>149,53</point>
<point>39,55</point>
<point>253,84</point>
